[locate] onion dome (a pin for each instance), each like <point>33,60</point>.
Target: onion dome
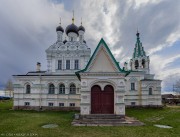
<point>81,28</point>
<point>84,41</point>
<point>72,28</point>
<point>59,28</point>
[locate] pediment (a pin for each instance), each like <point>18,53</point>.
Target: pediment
<point>102,62</point>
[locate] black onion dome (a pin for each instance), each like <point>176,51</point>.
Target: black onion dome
<point>72,28</point>
<point>59,28</point>
<point>81,28</point>
<point>64,41</point>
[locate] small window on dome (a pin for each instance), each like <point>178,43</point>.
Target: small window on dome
<point>80,37</point>
<point>71,38</point>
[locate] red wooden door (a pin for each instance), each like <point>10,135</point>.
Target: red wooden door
<point>102,102</point>
<point>95,100</point>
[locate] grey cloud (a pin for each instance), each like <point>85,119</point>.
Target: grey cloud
<point>154,21</point>
<point>24,36</point>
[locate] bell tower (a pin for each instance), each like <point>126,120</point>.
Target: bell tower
<point>139,61</point>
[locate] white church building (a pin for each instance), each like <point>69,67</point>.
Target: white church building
<point>93,84</point>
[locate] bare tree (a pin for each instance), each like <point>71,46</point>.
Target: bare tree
<point>9,88</point>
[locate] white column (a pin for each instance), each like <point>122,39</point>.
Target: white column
<point>140,63</point>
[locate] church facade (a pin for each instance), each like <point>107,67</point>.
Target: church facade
<point>95,84</point>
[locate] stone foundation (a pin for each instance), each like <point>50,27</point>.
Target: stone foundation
<point>73,108</point>
<point>46,108</point>
<point>144,106</point>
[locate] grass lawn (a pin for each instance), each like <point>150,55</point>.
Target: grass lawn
<point>21,123</point>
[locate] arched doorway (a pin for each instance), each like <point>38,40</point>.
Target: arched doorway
<point>102,102</point>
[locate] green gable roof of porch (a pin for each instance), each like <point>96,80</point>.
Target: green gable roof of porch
<point>94,54</point>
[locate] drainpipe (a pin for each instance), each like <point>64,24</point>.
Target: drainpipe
<point>40,99</point>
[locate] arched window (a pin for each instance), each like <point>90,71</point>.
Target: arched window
<point>51,89</point>
<point>150,91</point>
<point>136,64</point>
<point>132,86</point>
<point>72,89</point>
<point>61,89</point>
<point>143,63</point>
<point>28,89</point>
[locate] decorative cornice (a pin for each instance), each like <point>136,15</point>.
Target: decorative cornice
<point>116,74</point>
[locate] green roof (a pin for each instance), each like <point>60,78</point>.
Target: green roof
<point>138,50</point>
<point>95,53</point>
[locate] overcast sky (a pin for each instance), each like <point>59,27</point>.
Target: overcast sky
<point>27,29</point>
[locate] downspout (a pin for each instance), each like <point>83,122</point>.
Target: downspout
<point>40,99</point>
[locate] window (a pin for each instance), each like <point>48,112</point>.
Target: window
<point>132,86</point>
<point>72,89</point>
<point>50,104</point>
<point>61,104</point>
<point>51,89</point>
<point>26,103</point>
<point>71,38</point>
<point>72,104</point>
<point>80,38</point>
<point>133,103</point>
<point>61,89</point>
<point>136,64</point>
<point>76,64</point>
<point>143,63</point>
<point>150,91</point>
<point>59,64</point>
<point>67,64</point>
<point>28,89</point>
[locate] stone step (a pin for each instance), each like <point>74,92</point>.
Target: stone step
<point>99,122</point>
<point>107,120</point>
<point>101,116</point>
<point>107,124</point>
